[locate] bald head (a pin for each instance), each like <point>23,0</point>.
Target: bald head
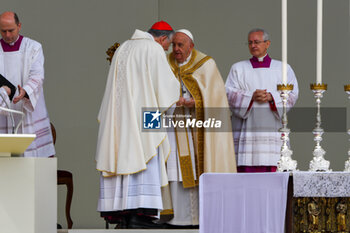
<point>9,26</point>
<point>9,15</point>
<point>182,46</point>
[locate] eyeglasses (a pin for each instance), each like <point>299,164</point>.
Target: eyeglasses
<point>257,42</point>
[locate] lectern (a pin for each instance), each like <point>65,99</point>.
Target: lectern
<point>14,144</point>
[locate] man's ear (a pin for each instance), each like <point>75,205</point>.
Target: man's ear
<point>268,43</point>
<point>163,38</point>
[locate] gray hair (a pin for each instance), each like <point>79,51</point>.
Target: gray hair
<point>265,36</point>
<point>159,33</point>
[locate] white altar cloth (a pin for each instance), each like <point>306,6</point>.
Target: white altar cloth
<point>321,184</point>
<point>243,202</point>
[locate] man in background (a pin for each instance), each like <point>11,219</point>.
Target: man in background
<point>256,105</point>
<point>22,64</point>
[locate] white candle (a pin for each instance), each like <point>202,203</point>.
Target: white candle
<point>319,42</point>
<point>284,42</point>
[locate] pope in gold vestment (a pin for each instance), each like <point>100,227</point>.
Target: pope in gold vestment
<point>195,151</point>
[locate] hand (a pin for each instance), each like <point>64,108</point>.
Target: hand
<point>7,89</point>
<point>190,103</point>
<point>262,96</point>
<point>180,102</point>
<point>20,96</point>
<point>269,97</point>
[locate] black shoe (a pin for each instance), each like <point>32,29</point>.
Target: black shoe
<point>143,222</point>
<point>59,226</point>
<point>121,224</point>
<point>170,226</point>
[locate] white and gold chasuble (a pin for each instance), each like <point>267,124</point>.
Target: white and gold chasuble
<point>197,151</point>
<point>132,161</point>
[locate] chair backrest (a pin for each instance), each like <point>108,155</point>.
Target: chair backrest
<point>53,131</point>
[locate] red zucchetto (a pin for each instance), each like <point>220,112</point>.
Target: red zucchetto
<point>162,25</point>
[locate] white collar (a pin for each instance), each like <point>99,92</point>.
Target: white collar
<point>138,34</point>
<point>260,59</point>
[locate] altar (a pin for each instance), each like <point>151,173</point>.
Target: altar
<point>320,202</point>
<point>275,202</point>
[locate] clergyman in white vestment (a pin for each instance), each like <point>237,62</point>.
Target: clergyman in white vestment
<point>195,151</point>
<point>132,162</point>
<point>256,106</point>
<point>22,64</point>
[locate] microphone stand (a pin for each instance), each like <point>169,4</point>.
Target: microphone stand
<point>14,130</point>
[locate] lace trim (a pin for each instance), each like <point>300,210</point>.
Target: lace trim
<point>321,184</point>
<point>121,71</point>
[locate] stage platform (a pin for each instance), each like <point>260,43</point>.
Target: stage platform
<point>125,231</point>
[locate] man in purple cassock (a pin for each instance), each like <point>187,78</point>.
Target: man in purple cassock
<point>256,105</point>
<point>22,64</point>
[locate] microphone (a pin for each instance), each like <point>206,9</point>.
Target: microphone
<point>11,111</point>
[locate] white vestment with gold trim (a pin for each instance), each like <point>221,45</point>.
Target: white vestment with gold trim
<point>132,160</point>
<point>216,148</point>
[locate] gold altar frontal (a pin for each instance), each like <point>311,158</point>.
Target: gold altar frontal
<point>317,214</point>
<point>321,214</point>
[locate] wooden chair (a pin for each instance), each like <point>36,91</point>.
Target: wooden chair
<point>65,178</point>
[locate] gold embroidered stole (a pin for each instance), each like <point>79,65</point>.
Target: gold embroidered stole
<point>185,75</point>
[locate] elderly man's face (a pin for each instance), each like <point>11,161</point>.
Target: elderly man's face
<point>182,47</point>
<point>257,46</point>
<point>164,41</point>
<point>8,28</point>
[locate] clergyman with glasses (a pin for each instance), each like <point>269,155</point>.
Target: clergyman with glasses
<point>256,105</point>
